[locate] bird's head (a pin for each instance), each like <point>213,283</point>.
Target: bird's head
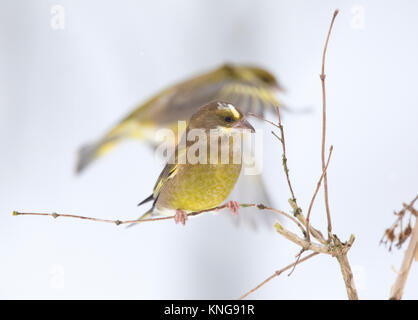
<point>253,74</point>
<point>217,115</point>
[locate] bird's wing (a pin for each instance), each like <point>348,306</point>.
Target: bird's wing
<point>181,101</point>
<point>170,169</point>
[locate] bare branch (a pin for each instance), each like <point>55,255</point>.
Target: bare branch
<point>306,245</point>
<point>297,209</point>
<point>119,222</point>
<point>261,118</point>
<point>324,117</point>
<point>262,207</point>
<point>298,256</point>
<point>315,193</point>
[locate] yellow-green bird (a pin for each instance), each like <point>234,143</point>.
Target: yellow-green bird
<point>188,185</point>
<point>251,88</point>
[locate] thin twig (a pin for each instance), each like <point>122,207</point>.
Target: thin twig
<point>298,256</point>
<point>119,222</point>
<point>324,111</point>
<point>315,193</point>
<point>341,254</point>
<point>261,118</point>
<point>297,209</point>
<point>278,273</point>
<point>275,134</point>
<point>301,227</point>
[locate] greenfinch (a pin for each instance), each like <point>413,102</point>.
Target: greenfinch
<point>190,186</point>
<point>251,88</point>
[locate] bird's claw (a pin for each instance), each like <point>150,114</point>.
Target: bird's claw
<point>233,206</point>
<point>181,216</point>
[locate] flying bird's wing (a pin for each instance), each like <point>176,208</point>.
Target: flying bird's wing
<point>181,101</point>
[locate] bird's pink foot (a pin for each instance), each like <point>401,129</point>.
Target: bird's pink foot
<point>181,216</point>
<point>233,206</point>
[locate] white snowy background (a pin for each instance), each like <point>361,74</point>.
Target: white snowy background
<point>62,87</point>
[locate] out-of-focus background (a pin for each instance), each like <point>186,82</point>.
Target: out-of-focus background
<point>65,83</point>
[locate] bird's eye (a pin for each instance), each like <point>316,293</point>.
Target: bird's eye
<point>265,79</point>
<point>228,119</point>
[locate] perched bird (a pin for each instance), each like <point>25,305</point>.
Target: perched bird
<point>251,88</point>
<point>188,186</point>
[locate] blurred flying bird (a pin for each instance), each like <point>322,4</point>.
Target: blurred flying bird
<point>250,88</point>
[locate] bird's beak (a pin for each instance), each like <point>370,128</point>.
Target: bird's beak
<point>244,124</point>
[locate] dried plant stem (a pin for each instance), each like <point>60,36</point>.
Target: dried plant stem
<point>263,207</point>
<point>398,286</point>
<point>315,193</point>
<point>333,246</point>
<point>341,256</point>
<point>284,154</point>
<point>306,245</point>
<point>296,209</point>
<point>314,232</point>
<point>261,118</point>
<point>324,118</point>
<point>278,273</point>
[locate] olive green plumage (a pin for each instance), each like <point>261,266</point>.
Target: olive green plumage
<point>188,186</point>
<point>250,88</point>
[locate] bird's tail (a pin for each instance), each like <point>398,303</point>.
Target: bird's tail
<point>144,216</point>
<point>90,152</point>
